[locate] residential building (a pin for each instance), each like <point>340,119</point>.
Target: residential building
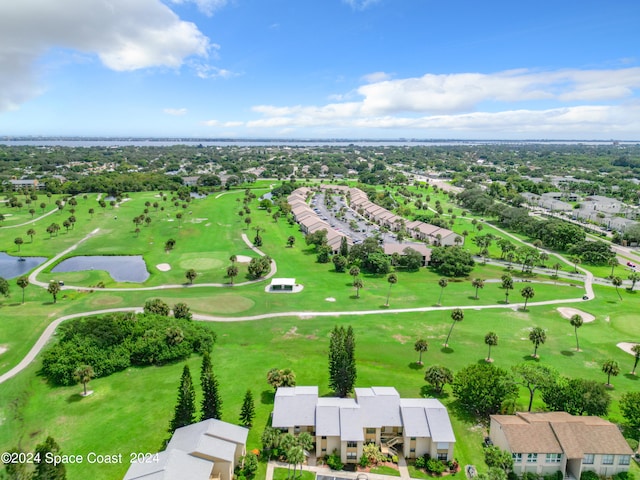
<point>408,426</point>
<point>545,443</point>
<point>207,450</point>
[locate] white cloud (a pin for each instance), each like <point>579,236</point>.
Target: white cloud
<point>177,112</point>
<point>210,71</point>
<point>360,4</point>
<point>517,103</point>
<point>376,77</point>
<point>208,7</point>
<point>125,35</point>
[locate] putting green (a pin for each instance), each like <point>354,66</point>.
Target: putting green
<point>108,300</point>
<point>220,304</point>
<point>200,261</point>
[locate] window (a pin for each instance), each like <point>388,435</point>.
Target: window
<point>352,455</point>
<point>588,459</point>
<point>413,450</point>
<point>371,430</point>
<point>324,450</point>
<point>517,457</point>
<point>413,439</point>
<point>442,457</point>
<point>352,444</point>
<point>324,437</point>
<point>624,459</point>
<point>554,457</point>
<point>532,458</point>
<point>607,459</point>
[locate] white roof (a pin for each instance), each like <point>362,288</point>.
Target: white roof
<point>294,406</point>
<point>202,439</point>
<point>171,465</point>
<point>380,406</point>
<point>426,417</point>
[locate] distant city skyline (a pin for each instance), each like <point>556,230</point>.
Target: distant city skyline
<point>317,69</point>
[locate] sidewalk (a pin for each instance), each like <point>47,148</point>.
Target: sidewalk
<point>324,470</point>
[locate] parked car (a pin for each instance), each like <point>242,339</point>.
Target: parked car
<point>632,265</point>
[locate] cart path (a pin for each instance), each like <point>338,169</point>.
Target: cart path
<point>50,330</point>
<point>34,280</point>
<point>33,220</point>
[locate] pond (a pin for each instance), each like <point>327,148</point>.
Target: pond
<point>124,268</point>
<point>13,267</point>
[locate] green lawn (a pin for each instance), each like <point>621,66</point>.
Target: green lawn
<point>130,411</point>
<point>386,470</point>
<point>285,474</point>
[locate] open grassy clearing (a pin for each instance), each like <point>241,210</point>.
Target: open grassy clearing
<point>130,411</point>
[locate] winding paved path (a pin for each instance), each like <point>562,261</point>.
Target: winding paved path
<point>49,331</point>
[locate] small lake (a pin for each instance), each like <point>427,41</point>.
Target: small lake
<point>12,267</point>
<point>125,268</point>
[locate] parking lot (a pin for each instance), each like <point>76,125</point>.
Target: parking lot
<point>364,230</point>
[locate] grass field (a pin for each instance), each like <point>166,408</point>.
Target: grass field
<point>130,411</point>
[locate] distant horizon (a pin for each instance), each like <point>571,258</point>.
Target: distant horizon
<point>153,138</point>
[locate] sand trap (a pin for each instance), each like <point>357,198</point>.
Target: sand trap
<point>570,312</point>
<point>242,259</point>
<point>626,346</point>
<point>163,267</point>
<point>330,299</point>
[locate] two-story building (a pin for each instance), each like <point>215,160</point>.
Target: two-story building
<point>408,426</point>
<point>545,443</point>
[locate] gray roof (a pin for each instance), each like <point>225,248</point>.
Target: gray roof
<point>432,422</point>
<point>328,414</point>
<point>415,422</point>
<point>294,406</point>
<point>199,439</point>
<point>351,425</point>
<point>171,465</point>
<point>380,406</point>
<point>440,425</point>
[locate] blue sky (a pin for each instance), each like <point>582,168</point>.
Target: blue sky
<point>561,69</point>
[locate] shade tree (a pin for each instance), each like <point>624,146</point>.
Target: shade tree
<point>438,376</point>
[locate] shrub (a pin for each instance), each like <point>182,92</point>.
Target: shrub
<point>554,476</point>
<point>633,443</point>
<point>531,476</point>
<point>435,466</point>
<point>421,462</point>
<point>115,342</point>
<point>623,476</point>
<point>589,475</point>
<point>333,461</point>
<point>364,461</point>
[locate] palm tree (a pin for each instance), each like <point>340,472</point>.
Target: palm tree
<point>233,259</point>
<point>556,266</point>
<point>636,350</point>
<point>613,263</point>
<point>23,282</point>
<point>507,284</point>
<point>421,346</point>
<point>191,275</point>
<point>477,283</point>
<point>83,375</point>
<point>18,241</point>
<point>357,283</point>
<point>527,293</point>
<point>31,232</point>
<point>354,272</point>
<point>232,271</point>
<point>576,260</point>
<point>577,321</point>
<point>392,279</point>
<point>457,315</point>
<point>610,367</point>
<point>537,336</point>
<point>295,456</point>
<point>490,339</point>
<point>443,284</point>
<point>634,277</point>
<point>617,281</point>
